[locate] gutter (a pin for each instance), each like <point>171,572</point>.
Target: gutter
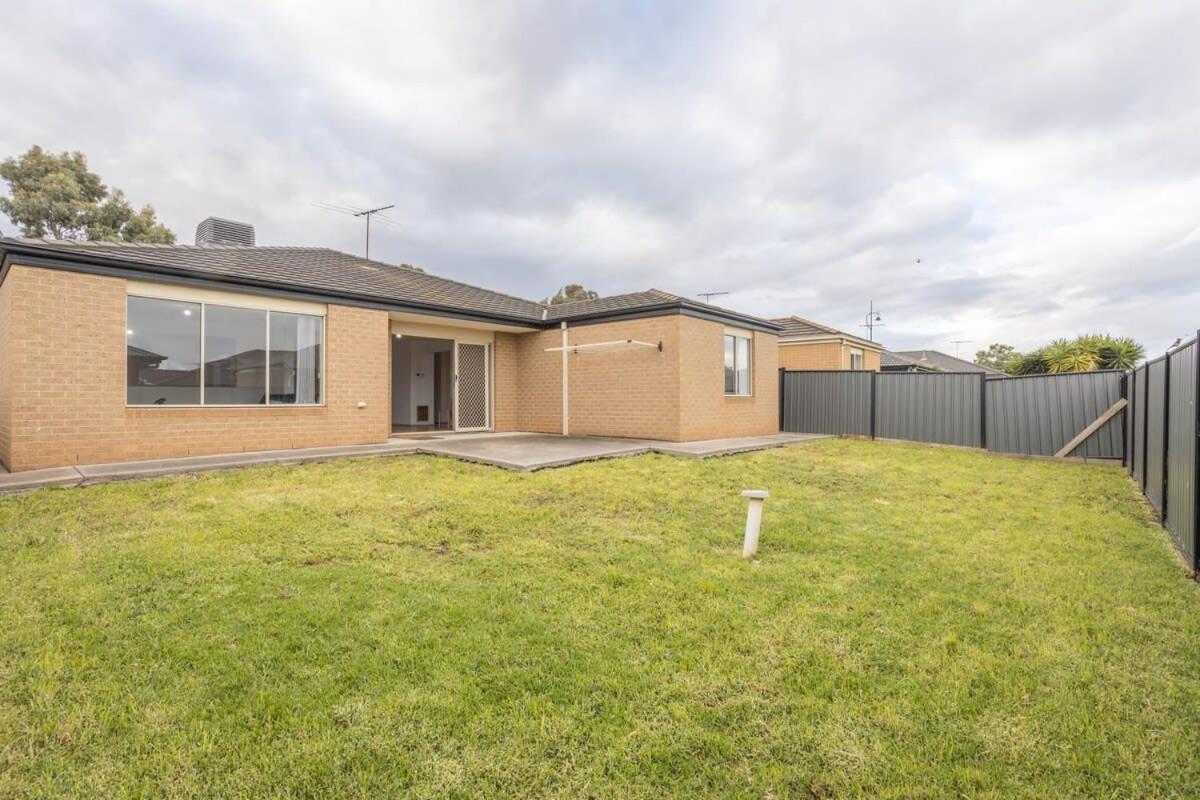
<point>863,343</point>
<point>681,306</point>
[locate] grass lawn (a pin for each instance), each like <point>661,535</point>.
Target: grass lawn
<point>922,622</point>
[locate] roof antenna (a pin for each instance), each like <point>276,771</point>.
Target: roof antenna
<point>367,213</point>
<point>708,296</point>
<point>956,343</point>
<point>361,212</point>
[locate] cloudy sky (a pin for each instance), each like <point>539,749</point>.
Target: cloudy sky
<point>1041,160</point>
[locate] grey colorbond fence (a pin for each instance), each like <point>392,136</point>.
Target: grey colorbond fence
<point>1033,415</point>
<point>1039,414</point>
<point>826,402</point>
<point>1156,374</point>
<point>943,407</point>
<point>1163,458</point>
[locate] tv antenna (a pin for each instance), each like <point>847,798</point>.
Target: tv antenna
<point>957,342</point>
<point>873,320</point>
<point>708,296</point>
<point>363,212</point>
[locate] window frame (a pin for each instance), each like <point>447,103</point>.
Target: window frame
<point>862,363</point>
<point>202,300</point>
<point>748,336</point>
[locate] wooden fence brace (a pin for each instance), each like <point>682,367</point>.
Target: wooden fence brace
<point>1093,426</point>
<point>1126,445</point>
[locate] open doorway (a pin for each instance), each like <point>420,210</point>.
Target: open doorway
<point>422,384</point>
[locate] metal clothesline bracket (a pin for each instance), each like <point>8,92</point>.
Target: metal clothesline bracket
<point>600,347</point>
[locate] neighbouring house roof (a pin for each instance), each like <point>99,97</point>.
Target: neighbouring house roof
<point>942,362</point>
<point>332,275</point>
<point>894,361</point>
<point>798,329</point>
<point>146,355</point>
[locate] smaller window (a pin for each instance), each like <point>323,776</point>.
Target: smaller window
<point>856,359</point>
<point>737,364</point>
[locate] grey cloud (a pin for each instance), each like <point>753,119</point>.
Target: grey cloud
<point>1040,159</point>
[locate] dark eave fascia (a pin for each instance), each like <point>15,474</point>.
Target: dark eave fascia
<point>53,258</point>
<point>99,265</point>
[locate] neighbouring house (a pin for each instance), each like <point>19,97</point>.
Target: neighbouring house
<point>808,345</point>
<point>115,352</point>
<point>894,362</point>
<point>937,361</point>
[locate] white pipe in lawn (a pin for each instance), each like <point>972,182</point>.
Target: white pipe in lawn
<point>753,520</point>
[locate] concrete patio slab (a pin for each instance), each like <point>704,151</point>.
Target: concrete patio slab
<point>708,448</point>
<point>526,453</point>
<point>523,452</point>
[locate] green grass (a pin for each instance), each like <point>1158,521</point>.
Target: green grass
<point>921,622</point>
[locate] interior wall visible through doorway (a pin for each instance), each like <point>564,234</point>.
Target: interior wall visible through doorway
<point>422,381</point>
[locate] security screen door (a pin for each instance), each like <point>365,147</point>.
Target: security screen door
<point>471,387</point>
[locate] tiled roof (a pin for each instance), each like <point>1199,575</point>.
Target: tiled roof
<point>896,361</point>
<point>310,268</point>
<point>319,270</point>
<point>797,329</point>
<point>935,359</point>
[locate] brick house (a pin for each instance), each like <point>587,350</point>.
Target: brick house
<point>808,345</point>
<point>117,352</point>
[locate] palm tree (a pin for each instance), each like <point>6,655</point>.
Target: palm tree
<point>1121,353</point>
<point>1083,354</point>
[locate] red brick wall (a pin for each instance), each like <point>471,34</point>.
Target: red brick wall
<point>68,384</point>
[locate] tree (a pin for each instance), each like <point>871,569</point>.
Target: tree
<point>569,294</point>
<point>996,356</point>
<point>1082,354</point>
<point>58,197</point>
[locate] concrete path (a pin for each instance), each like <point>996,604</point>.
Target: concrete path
<point>523,452</point>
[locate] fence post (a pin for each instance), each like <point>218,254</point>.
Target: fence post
<point>874,375</point>
<point>1146,429</point>
<point>983,410</point>
<point>1166,432</point>
<point>1196,461</point>
<point>782,373</point>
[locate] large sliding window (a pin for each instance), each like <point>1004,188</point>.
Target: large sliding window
<point>235,356</point>
<point>737,363</point>
<point>250,357</point>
